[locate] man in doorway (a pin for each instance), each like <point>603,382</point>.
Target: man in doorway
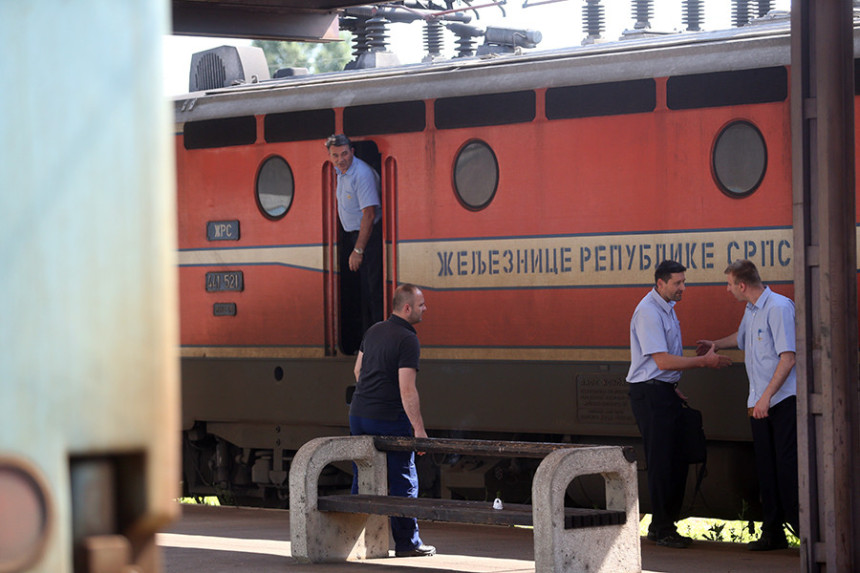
<point>359,209</point>
<point>767,337</point>
<point>386,403</point>
<point>656,362</point>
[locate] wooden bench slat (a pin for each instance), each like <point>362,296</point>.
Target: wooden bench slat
<point>595,518</point>
<point>478,447</point>
<point>429,509</point>
<point>462,511</point>
<point>468,447</point>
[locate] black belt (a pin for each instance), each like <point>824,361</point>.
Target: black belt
<point>354,234</point>
<point>655,382</point>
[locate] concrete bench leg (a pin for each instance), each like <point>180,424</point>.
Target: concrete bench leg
<point>609,549</point>
<point>330,536</point>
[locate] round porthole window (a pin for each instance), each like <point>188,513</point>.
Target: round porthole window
<point>275,187</point>
<point>476,175</point>
<point>27,517</point>
<point>739,159</point>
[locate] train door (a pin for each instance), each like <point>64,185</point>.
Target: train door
<point>349,311</point>
<point>389,235</point>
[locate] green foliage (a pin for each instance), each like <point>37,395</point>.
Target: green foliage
<point>200,500</point>
<point>316,57</point>
<point>706,529</point>
<point>715,531</point>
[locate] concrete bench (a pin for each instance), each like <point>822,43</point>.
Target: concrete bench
<point>351,527</point>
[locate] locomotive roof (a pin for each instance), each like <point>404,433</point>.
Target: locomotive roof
<point>760,45</point>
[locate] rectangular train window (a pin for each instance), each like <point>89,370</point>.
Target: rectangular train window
<point>226,132</point>
<point>484,110</point>
<point>382,118</point>
<point>615,98</point>
<point>298,125</point>
<point>761,85</point>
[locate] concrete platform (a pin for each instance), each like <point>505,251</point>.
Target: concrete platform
<point>227,539</point>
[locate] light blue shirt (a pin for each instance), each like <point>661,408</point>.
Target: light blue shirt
<point>654,328</point>
<point>766,331</point>
<point>357,188</point>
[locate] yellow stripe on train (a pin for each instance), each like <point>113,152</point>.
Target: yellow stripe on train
<point>592,260</point>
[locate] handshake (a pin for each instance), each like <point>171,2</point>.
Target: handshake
<point>707,350</point>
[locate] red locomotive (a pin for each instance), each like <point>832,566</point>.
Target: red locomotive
<point>530,196</point>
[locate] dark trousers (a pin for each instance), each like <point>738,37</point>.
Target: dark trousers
<point>775,445</point>
<point>402,475</point>
<point>369,275</point>
<point>657,409</point>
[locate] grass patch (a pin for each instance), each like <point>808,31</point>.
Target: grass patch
<point>209,500</point>
<point>707,529</point>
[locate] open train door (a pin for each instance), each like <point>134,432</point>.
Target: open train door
<point>343,313</point>
<point>389,232</point>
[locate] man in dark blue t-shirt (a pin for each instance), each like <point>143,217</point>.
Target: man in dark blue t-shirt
<point>386,403</point>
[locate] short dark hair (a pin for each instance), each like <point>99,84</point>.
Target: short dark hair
<point>666,269</point>
<point>744,271</point>
<point>337,140</point>
<point>403,295</point>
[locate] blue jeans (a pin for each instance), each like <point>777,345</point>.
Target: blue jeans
<point>402,476</point>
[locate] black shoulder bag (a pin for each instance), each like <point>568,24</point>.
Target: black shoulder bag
<point>693,447</point>
<point>694,450</point>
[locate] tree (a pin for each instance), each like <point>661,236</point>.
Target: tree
<point>317,58</point>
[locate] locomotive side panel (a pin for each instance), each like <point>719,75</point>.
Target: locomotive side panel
<point>606,198</point>
<point>632,173</point>
<point>270,270</point>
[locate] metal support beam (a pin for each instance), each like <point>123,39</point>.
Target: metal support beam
<point>265,22</point>
<point>822,115</point>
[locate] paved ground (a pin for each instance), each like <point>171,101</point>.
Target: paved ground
<point>226,539</point>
